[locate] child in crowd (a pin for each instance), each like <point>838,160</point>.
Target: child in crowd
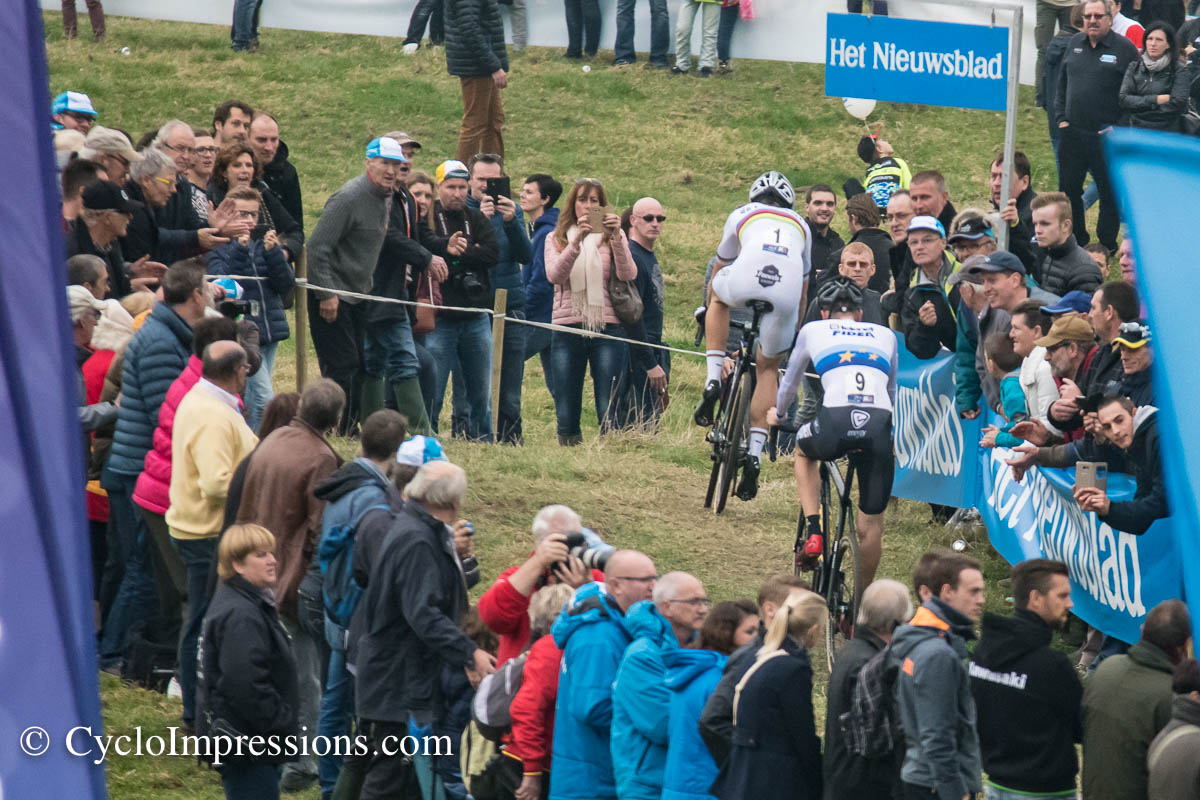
<point>1004,364</point>
<point>885,172</point>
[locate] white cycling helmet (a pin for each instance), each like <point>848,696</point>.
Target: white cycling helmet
<point>773,183</point>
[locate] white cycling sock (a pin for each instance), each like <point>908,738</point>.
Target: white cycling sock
<point>758,438</point>
<point>716,362</point>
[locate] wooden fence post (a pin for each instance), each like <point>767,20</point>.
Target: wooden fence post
<point>301,338</point>
<point>500,308</point>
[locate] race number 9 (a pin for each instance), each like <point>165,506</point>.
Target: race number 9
<point>860,381</point>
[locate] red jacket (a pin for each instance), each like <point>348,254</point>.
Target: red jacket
<point>94,370</point>
<point>532,708</point>
<point>506,612</point>
<point>153,488</point>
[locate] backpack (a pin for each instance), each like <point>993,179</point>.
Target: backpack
<point>336,555</point>
<point>871,727</point>
<point>491,708</point>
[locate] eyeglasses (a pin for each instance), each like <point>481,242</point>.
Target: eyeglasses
<point>695,601</point>
<point>647,579</point>
<point>1095,16</point>
<point>247,214</point>
<point>163,181</point>
<point>204,151</point>
<point>651,218</point>
<point>178,149</point>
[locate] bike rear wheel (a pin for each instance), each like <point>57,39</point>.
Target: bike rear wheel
<point>844,590</point>
<point>735,436</point>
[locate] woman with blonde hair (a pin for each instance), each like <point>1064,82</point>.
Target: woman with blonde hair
<point>247,681</point>
<point>776,752</point>
<point>581,256</point>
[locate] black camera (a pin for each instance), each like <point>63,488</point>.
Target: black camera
<point>1091,403</point>
<point>234,308</point>
<point>594,553</point>
<point>476,291</point>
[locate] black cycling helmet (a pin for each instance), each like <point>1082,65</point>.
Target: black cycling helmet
<point>773,188</point>
<point>839,295</point>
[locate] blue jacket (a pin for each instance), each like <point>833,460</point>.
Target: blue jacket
<point>539,292</point>
<point>156,355</point>
<point>641,705</point>
<point>692,675</point>
<point>514,251</point>
<point>593,638</point>
<point>234,259</point>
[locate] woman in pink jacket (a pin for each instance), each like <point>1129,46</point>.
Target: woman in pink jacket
<point>579,259</point>
<point>152,492</point>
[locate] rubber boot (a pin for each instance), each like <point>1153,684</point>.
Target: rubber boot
<point>411,404</point>
<point>372,395</point>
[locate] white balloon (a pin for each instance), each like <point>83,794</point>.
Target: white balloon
<point>858,107</point>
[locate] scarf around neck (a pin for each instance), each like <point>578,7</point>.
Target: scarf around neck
<point>1156,64</point>
<point>587,281</point>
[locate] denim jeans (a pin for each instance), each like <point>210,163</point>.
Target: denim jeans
<point>537,342</point>
<point>639,400</point>
<point>197,556</point>
<point>259,390</point>
<point>426,11</point>
<point>729,18</point>
<point>389,351</point>
<point>250,780</point>
<point>660,31</point>
<point>512,376</point>
<point>245,23</point>
<point>426,373</point>
<point>467,341</point>
<point>308,679</point>
<point>137,595</point>
<point>583,27</point>
<point>337,706</point>
<point>710,17</point>
<point>572,355</point>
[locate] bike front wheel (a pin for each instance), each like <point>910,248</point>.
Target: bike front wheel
<point>737,426</point>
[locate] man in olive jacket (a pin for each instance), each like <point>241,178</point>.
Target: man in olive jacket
<point>1127,702</point>
<point>476,55</point>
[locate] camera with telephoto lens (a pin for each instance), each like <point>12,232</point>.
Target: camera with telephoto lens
<point>589,548</point>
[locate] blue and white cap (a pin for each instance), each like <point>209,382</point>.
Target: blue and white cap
<point>233,289</point>
<point>385,147</point>
<point>420,450</point>
<point>74,102</point>
<point>927,223</point>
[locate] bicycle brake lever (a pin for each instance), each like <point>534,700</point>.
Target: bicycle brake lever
<point>772,442</point>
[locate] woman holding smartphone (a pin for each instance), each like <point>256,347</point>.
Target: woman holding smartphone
<point>586,247</point>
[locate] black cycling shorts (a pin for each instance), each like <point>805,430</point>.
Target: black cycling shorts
<point>863,434</point>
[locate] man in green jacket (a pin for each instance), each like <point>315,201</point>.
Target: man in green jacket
<point>1128,701</point>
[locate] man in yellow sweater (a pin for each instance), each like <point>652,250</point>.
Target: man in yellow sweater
<point>209,439</point>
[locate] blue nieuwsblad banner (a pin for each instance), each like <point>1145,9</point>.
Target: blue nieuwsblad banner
<point>936,450</point>
<point>1116,577</point>
<point>916,61</point>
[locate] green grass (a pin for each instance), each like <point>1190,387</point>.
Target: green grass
<point>695,145</point>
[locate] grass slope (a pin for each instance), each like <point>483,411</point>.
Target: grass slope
<point>695,145</point>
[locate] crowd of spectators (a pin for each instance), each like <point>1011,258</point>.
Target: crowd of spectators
<point>223,521</point>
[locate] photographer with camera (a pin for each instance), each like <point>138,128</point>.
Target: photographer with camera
<point>258,253</point>
<point>1132,436</point>
<point>464,338</point>
<point>505,606</point>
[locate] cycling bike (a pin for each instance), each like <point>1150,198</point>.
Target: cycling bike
<point>731,432</point>
<point>835,573</point>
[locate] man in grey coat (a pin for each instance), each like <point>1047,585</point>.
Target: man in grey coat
<point>933,694</point>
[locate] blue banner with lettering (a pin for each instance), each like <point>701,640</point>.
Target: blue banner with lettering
<point>936,451</point>
<point>1115,577</point>
<point>916,61</point>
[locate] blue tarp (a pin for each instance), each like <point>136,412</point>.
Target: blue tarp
<point>47,641</point>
